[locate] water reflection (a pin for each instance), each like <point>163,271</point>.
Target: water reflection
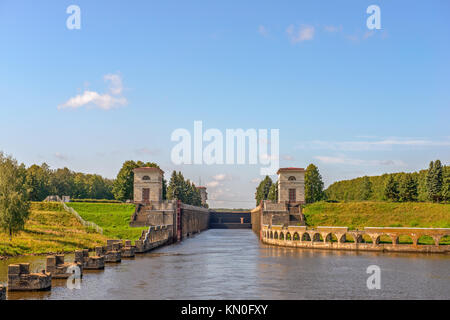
<point>233,264</point>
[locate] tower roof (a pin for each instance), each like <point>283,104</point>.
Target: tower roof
<point>148,169</point>
<point>290,169</point>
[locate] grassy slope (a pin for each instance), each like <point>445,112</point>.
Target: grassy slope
<point>49,229</point>
<point>378,214</point>
<point>112,217</point>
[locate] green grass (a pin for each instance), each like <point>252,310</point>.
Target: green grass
<point>114,218</point>
<point>49,229</point>
<point>357,215</point>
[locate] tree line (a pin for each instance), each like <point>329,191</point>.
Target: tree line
<point>432,184</point>
<point>268,190</point>
<point>41,181</point>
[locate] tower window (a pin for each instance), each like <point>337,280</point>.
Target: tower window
<point>292,178</point>
<point>145,178</point>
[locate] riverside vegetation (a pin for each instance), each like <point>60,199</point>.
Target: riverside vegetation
<point>49,229</point>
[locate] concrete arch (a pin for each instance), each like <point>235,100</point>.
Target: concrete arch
<point>425,240</point>
<point>444,240</point>
<point>382,239</point>
<point>296,236</point>
<point>306,237</point>
<point>342,238</point>
<point>404,239</point>
<point>288,236</point>
<point>281,236</point>
<point>330,237</point>
<point>351,237</point>
<point>317,237</point>
<point>275,235</point>
<point>271,234</point>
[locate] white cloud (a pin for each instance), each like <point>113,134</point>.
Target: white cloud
<point>220,177</point>
<point>368,34</point>
<point>212,184</point>
<point>358,162</point>
<point>303,33</point>
<point>256,180</point>
<point>263,31</point>
<point>332,29</point>
<point>116,86</point>
<point>104,101</point>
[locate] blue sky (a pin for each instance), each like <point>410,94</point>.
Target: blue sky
<point>351,100</point>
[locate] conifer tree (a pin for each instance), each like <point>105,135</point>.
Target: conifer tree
<point>365,188</point>
<point>408,188</point>
<point>435,181</point>
<point>262,192</point>
<point>313,184</point>
<point>391,189</point>
<point>273,192</point>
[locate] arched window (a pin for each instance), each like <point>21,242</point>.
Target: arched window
<point>145,178</point>
<point>292,178</point>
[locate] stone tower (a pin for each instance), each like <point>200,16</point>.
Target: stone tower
<point>291,185</point>
<point>147,184</point>
<point>203,194</point>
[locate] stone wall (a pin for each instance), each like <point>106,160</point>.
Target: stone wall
<point>154,214</point>
<point>256,216</point>
<point>336,238</point>
<point>193,219</point>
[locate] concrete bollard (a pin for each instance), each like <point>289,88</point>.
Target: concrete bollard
<point>128,251</point>
<point>61,270</point>
<point>89,262</point>
<point>110,253</point>
<point>20,278</point>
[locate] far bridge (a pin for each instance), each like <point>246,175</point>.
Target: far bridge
<point>230,220</point>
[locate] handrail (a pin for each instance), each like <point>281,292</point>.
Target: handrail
<point>81,220</point>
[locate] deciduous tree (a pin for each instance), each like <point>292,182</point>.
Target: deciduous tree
<point>14,204</point>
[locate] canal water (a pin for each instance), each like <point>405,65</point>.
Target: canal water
<point>233,264</point>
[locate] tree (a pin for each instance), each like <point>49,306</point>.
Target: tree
<point>365,190</point>
<point>313,184</point>
<point>434,181</point>
<point>408,188</point>
<point>14,204</point>
<point>273,192</point>
<point>183,190</point>
<point>262,191</point>
<point>37,182</point>
<point>391,189</point>
<point>446,190</point>
<point>123,185</point>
